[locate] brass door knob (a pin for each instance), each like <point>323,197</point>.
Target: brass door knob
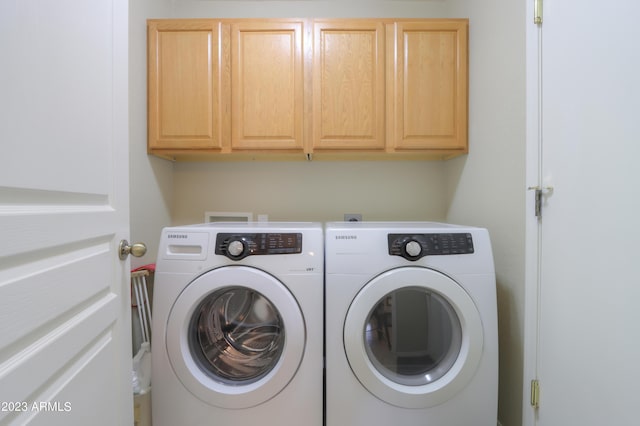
<point>136,249</point>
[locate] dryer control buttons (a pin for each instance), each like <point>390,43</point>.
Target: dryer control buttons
<point>239,246</point>
<point>416,246</point>
<point>413,248</point>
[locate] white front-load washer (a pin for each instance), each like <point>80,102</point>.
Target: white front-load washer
<point>237,325</point>
<point>410,325</point>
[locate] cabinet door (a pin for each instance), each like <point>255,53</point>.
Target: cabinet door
<point>348,85</point>
<point>267,85</point>
<point>184,91</point>
<point>430,95</point>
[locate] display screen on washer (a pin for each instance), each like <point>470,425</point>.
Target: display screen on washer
<point>236,335</point>
<point>415,246</point>
<point>413,336</point>
<point>238,246</point>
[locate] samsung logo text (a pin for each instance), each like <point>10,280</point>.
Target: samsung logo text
<point>346,237</point>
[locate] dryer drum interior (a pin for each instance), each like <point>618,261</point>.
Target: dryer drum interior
<point>413,336</point>
<point>434,333</point>
<point>236,335</point>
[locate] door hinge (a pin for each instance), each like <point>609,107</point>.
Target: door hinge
<point>535,393</point>
<point>537,12</point>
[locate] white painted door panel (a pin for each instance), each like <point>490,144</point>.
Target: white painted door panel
<point>65,356</point>
<point>589,335</point>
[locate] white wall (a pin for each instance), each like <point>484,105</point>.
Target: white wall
<point>484,188</point>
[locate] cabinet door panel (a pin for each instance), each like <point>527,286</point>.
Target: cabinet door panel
<point>348,85</point>
<point>267,85</point>
<point>184,110</point>
<point>431,85</point>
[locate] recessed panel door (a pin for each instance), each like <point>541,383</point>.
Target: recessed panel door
<point>349,85</point>
<point>184,84</point>
<point>430,102</point>
<point>65,328</point>
<point>267,86</point>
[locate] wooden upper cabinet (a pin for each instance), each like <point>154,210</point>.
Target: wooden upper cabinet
<point>429,107</point>
<point>348,85</point>
<point>389,87</point>
<point>267,82</point>
<point>183,86</point>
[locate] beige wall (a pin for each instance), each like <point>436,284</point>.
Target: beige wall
<point>151,188</point>
<point>308,8</point>
<point>484,188</point>
<point>310,191</point>
<point>487,187</point>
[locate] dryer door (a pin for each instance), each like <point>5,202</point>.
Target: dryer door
<point>413,337</point>
<point>235,337</point>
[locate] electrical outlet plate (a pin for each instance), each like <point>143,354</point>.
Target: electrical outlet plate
<point>352,217</point>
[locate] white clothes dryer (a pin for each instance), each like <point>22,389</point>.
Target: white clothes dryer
<point>237,325</point>
<point>410,325</point>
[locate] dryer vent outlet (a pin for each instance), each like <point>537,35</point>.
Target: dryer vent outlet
<point>352,217</point>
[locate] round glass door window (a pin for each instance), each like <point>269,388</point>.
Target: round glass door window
<point>413,336</point>
<point>235,345</point>
<point>236,335</point>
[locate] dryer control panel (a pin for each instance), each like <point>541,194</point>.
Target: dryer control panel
<point>416,246</point>
<point>240,245</point>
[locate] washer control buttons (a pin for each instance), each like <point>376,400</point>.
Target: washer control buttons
<point>235,248</point>
<point>416,246</point>
<point>239,246</point>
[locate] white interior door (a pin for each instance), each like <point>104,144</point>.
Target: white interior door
<point>65,356</point>
<point>588,336</point>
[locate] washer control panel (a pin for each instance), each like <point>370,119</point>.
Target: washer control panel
<point>416,246</point>
<point>239,245</point>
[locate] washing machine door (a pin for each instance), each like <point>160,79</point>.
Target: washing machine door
<point>413,337</point>
<point>235,337</point>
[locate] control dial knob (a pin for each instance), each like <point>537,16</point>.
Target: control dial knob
<point>413,248</point>
<point>235,248</point>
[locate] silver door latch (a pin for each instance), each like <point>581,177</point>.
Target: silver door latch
<point>539,192</point>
